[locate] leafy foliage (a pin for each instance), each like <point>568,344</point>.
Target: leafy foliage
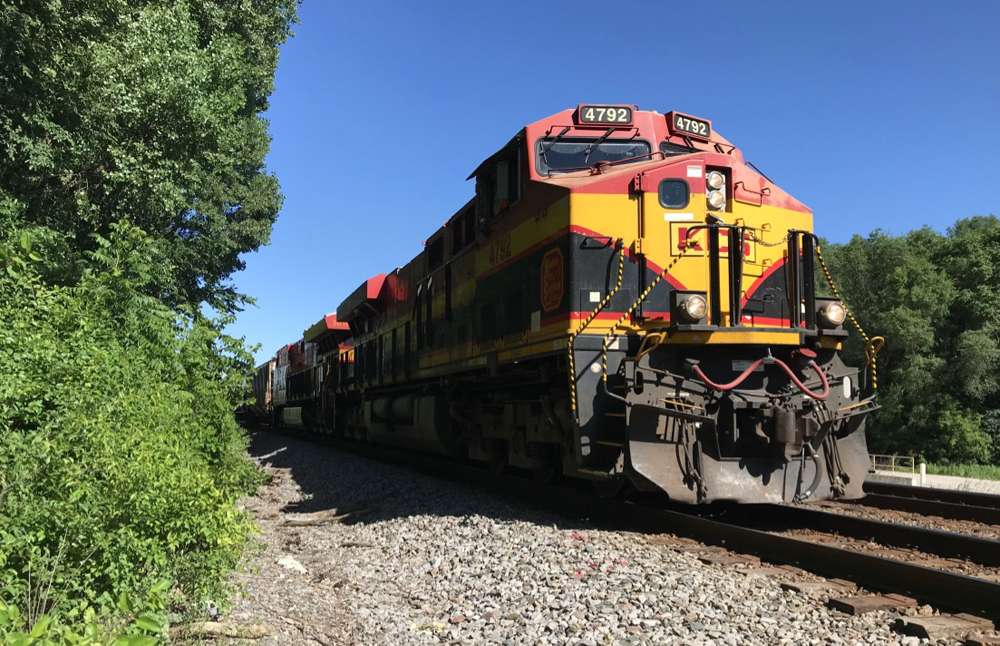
<point>146,111</point>
<point>125,624</point>
<point>120,460</point>
<point>132,180</point>
<point>935,299</point>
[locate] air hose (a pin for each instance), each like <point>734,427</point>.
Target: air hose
<point>753,366</point>
<point>802,386</point>
<point>732,384</point>
<point>802,495</point>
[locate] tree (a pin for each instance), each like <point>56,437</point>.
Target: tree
<point>131,180</point>
<point>148,112</point>
<point>121,462</point>
<point>933,297</point>
<point>972,262</point>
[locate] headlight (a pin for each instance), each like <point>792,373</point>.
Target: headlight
<point>716,200</point>
<point>693,308</point>
<point>832,314</point>
<point>715,179</point>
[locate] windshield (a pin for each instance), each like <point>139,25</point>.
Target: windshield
<point>554,154</point>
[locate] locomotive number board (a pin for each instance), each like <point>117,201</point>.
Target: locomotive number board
<point>689,125</point>
<point>604,114</point>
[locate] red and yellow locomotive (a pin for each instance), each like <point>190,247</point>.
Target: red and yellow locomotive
<point>624,300</point>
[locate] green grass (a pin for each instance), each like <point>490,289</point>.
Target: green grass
<point>981,471</point>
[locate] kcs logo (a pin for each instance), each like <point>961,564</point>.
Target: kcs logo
<point>696,242</point>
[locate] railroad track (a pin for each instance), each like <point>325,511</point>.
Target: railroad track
<point>733,530</point>
<point>955,505</point>
<point>739,530</point>
<point>920,540</point>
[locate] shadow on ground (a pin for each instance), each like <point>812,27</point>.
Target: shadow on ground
<point>331,478</point>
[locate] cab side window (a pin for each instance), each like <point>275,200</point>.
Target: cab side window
<point>498,187</point>
<point>506,182</point>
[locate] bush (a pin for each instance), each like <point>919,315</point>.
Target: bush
<point>126,624</point>
<point>120,460</point>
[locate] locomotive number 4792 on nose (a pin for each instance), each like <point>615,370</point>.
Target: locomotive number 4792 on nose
<point>693,126</point>
<point>601,114</point>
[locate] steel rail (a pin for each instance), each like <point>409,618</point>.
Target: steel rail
<point>955,505</point>
<point>945,590</point>
<point>970,498</point>
<point>932,541</point>
<point>953,511</point>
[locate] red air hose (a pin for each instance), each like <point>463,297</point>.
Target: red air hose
<point>802,386</point>
<point>732,384</point>
<point>753,366</point>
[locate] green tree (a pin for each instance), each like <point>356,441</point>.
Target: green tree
<point>933,297</point>
<point>144,111</point>
<point>971,259</point>
<point>991,428</point>
<point>895,291</point>
<point>131,181</point>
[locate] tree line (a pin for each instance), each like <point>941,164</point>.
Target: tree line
<point>132,180</point>
<point>936,299</point>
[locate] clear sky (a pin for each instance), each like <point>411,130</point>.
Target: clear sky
<point>876,114</point>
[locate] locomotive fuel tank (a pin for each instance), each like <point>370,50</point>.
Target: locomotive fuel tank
<point>411,420</point>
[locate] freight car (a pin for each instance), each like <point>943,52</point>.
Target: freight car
<point>624,300</point>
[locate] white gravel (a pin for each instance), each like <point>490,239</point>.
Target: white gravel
<point>429,562</point>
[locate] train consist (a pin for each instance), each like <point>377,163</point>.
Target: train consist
<point>624,300</point>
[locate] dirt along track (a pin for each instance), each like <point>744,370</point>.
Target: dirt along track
<point>357,551</point>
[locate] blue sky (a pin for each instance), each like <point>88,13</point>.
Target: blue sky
<point>874,114</point>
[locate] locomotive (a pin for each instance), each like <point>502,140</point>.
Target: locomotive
<point>624,300</point>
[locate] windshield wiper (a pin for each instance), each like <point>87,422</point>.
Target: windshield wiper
<point>591,147</point>
<point>541,153</point>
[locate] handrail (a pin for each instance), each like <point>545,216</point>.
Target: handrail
<point>894,463</point>
<point>628,313</point>
<point>620,246</point>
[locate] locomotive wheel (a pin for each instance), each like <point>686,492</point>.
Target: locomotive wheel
<point>609,487</point>
<point>498,458</point>
<point>551,463</point>
<point>547,473</point>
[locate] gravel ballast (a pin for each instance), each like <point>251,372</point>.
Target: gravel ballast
<point>355,551</point>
